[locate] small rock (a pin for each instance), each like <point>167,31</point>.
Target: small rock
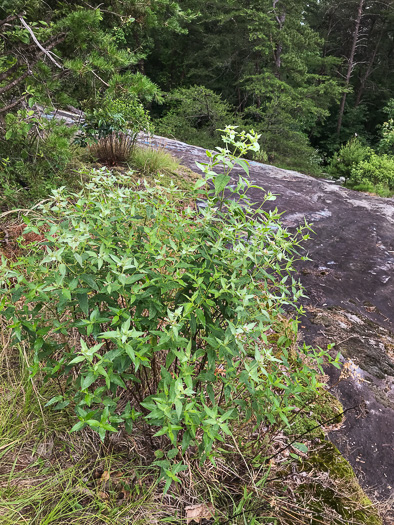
<point>45,449</point>
<point>353,318</point>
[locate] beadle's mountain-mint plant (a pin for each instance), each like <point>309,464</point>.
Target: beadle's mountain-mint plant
<point>153,313</point>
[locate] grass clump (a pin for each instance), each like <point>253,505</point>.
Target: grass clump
<point>157,166</point>
<point>151,161</point>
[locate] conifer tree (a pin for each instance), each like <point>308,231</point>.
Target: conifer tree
<point>68,52</point>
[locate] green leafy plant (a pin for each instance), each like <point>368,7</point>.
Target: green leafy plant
<point>36,153</point>
<point>351,154</point>
<point>110,130</point>
<point>362,168</point>
<point>386,143</point>
<point>160,317</point>
<point>378,170</point>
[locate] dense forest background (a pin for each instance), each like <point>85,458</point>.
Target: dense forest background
<point>307,76</point>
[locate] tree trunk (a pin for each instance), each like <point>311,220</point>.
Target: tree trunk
<point>350,64</point>
<point>279,47</point>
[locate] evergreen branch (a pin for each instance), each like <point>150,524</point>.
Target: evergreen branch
<point>29,70</point>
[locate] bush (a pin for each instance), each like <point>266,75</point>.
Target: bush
<point>363,169</point>
<point>163,317</point>
<point>35,156</point>
<point>194,116</point>
<point>351,154</point>
<point>378,171</point>
<point>110,131</point>
<point>386,143</point>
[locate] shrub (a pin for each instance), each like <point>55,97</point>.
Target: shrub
<point>35,156</point>
<point>363,169</point>
<point>351,154</point>
<point>386,144</point>
<point>161,316</point>
<point>194,116</point>
<point>111,130</point>
<point>378,170</point>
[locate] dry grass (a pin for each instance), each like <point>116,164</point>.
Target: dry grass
<point>113,149</point>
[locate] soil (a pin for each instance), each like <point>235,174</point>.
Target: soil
<point>350,283</point>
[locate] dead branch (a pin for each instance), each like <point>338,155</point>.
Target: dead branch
<point>9,71</point>
<point>51,43</point>
<point>12,105</point>
<point>8,19</point>
<point>101,80</point>
<point>45,51</point>
<point>15,82</point>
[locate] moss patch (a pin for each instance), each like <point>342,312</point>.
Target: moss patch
<point>315,410</point>
<point>335,486</point>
